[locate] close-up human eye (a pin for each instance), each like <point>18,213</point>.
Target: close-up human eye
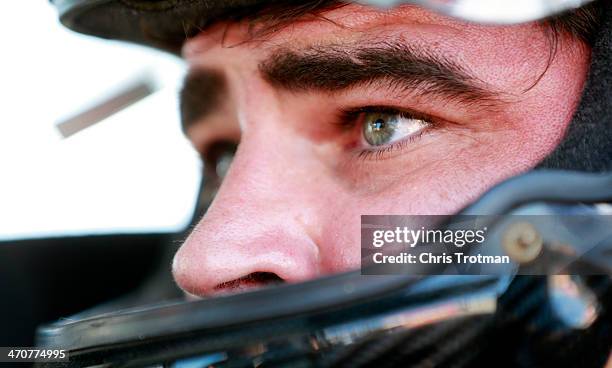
<point>380,129</point>
<point>384,128</point>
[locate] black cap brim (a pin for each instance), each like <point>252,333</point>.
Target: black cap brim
<point>162,24</point>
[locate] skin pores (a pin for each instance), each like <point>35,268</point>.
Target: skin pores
<point>291,202</point>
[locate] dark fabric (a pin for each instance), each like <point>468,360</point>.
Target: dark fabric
<point>162,24</point>
<point>588,143</point>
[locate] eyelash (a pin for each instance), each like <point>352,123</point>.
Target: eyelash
<point>349,118</point>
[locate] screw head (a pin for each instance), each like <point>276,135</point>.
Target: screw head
<point>522,242</point>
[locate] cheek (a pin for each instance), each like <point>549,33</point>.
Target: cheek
<point>436,189</point>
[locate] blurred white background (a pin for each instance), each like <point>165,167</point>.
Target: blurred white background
<point>132,172</point>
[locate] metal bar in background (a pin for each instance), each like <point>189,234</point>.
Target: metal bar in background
<point>127,96</point>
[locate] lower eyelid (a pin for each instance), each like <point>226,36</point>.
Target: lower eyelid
<point>386,152</point>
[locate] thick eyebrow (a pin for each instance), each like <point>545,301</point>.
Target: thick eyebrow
<point>200,95</point>
<point>333,68</point>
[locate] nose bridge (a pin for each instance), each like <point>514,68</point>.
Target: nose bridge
<point>270,162</point>
<point>267,167</point>
<point>267,183</point>
<point>274,160</point>
<point>261,219</point>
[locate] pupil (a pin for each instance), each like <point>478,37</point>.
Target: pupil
<point>379,124</point>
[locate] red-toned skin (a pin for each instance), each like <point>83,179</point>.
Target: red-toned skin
<point>292,200</point>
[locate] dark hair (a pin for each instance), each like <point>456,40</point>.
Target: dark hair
<point>581,23</point>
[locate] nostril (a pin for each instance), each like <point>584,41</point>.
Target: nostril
<point>251,281</point>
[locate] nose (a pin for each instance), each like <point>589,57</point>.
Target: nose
<point>259,228</point>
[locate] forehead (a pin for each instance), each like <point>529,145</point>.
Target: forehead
<point>479,48</point>
<point>352,21</point>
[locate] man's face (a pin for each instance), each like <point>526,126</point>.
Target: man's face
<point>360,112</point>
